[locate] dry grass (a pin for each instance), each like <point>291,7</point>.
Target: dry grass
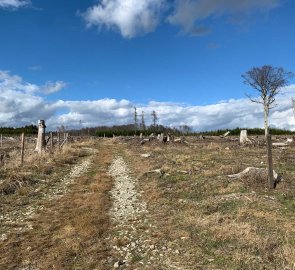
<point>216,222</point>
<point>68,232</point>
<point>212,221</point>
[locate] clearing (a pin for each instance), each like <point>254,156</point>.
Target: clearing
<point>117,204</point>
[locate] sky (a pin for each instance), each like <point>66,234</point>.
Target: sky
<point>84,63</point>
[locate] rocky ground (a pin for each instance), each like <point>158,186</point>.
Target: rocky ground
<point>133,236</point>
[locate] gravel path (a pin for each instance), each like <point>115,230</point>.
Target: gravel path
<point>133,243</point>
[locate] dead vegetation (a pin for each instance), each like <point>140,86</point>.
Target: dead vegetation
<point>216,222</point>
<point>44,229</point>
<point>201,218</point>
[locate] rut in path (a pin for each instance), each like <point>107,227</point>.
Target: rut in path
<point>132,242</point>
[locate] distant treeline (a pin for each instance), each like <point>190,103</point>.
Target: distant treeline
<point>130,130</point>
<point>250,131</point>
<point>16,131</point>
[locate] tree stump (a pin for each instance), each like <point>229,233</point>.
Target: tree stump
<point>41,137</point>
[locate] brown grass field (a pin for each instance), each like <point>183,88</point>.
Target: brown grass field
<point>205,219</point>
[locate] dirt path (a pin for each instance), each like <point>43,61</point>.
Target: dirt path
<point>135,242</point>
<point>65,226</point>
<point>19,219</point>
<point>94,217</point>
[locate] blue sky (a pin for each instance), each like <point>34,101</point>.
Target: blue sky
<point>153,54</point>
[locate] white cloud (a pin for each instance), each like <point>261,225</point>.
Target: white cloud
<point>52,87</point>
<point>130,17</point>
<point>21,104</point>
<point>138,17</point>
<point>189,12</point>
<point>13,3</point>
<point>15,82</point>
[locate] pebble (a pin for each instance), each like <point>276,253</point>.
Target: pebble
<point>130,213</point>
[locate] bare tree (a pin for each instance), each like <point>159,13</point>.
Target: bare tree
<point>268,81</point>
<point>185,129</point>
<point>62,128</point>
<point>135,119</point>
<point>142,125</point>
<point>155,118</point>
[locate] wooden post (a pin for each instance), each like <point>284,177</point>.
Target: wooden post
<point>51,142</point>
<point>1,141</point>
<point>66,137</point>
<point>270,164</point>
<point>22,149</point>
<point>41,137</point>
<point>58,139</point>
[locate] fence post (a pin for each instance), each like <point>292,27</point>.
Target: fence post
<point>22,149</point>
<point>1,141</point>
<point>66,138</point>
<point>51,142</point>
<point>58,139</point>
<point>270,163</point>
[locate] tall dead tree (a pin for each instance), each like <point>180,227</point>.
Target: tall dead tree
<point>155,118</point>
<point>185,129</point>
<point>135,119</point>
<point>142,124</point>
<point>268,82</point>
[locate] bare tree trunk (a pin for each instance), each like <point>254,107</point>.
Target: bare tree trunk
<point>270,164</point>
<point>266,111</point>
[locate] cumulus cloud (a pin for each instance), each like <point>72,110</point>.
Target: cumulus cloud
<point>13,3</point>
<point>133,17</point>
<point>130,17</point>
<point>189,12</point>
<point>52,87</point>
<point>21,104</point>
<point>15,82</point>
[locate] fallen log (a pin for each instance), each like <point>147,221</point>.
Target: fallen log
<point>256,172</point>
<point>145,155</point>
<point>157,171</point>
<point>225,134</point>
<point>279,144</point>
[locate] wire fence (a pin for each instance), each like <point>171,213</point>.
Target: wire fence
<point>25,145</point>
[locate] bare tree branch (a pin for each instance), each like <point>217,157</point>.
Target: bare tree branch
<point>253,99</point>
<point>268,82</point>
